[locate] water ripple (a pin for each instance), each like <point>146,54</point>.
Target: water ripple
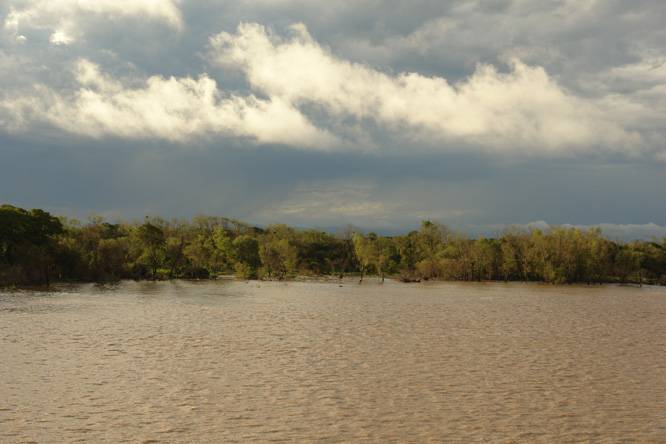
<point>238,362</point>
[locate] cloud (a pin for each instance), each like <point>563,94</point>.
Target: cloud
<point>361,202</point>
<point>64,18</point>
<point>650,70</point>
<point>175,109</point>
<point>566,36</point>
<point>632,231</point>
<point>300,94</point>
<point>323,201</point>
<point>521,110</point>
<point>623,232</point>
<point>428,89</point>
<point>61,38</point>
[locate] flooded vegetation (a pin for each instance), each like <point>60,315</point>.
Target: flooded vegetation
<point>231,361</point>
<point>37,248</point>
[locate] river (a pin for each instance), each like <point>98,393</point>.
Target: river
<point>232,361</point>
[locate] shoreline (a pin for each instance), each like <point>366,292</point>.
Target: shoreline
<point>346,280</point>
<point>38,249</point>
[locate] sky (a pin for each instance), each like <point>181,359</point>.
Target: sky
<point>377,113</point>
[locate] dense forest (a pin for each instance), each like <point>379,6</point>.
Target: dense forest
<point>38,248</point>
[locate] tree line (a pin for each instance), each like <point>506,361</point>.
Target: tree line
<point>38,248</point>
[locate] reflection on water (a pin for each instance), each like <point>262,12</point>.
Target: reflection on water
<point>235,361</point>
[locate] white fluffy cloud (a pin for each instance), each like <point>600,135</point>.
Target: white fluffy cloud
<point>63,17</point>
<point>523,109</point>
<point>172,108</point>
<point>302,94</point>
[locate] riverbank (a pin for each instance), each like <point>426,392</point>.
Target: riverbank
<point>345,280</point>
<point>36,247</point>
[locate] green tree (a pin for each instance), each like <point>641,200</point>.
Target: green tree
<point>386,256</point>
<point>365,252</point>
<point>27,245</point>
<point>247,259</point>
<point>152,244</point>
<point>430,241</point>
<point>409,256</point>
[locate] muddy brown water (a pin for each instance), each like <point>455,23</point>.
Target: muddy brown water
<point>301,362</point>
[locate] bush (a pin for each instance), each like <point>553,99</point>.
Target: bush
<point>245,271</point>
